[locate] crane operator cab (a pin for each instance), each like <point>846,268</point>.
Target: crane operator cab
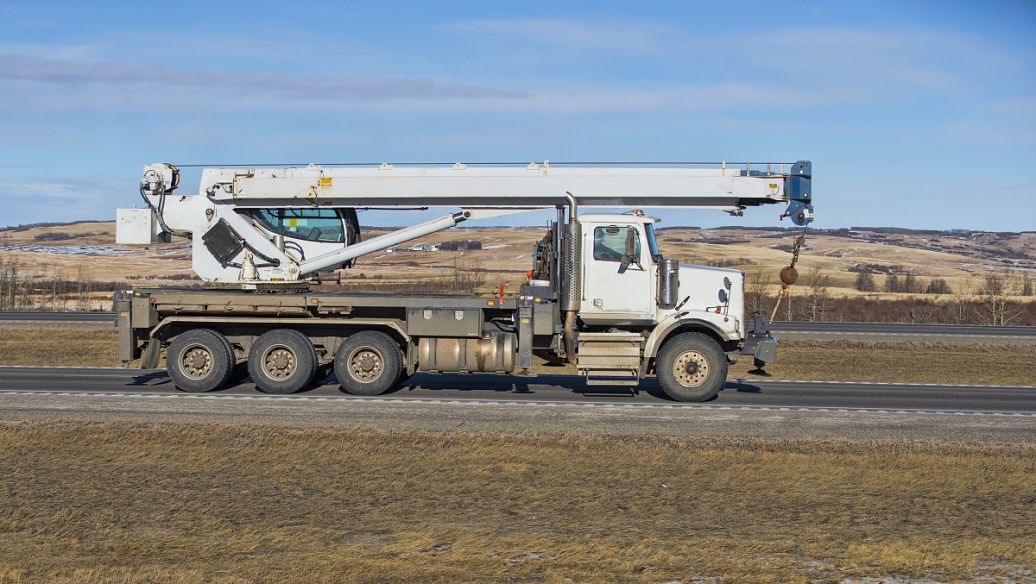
<point>306,231</point>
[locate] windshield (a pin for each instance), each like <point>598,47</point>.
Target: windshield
<point>652,243</point>
<point>324,225</point>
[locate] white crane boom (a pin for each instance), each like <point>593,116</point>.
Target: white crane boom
<point>236,240</point>
<point>534,186</point>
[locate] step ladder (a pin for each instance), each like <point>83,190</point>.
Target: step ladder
<point>610,358</point>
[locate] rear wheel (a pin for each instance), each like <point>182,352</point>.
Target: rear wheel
<point>368,363</point>
<point>691,367</point>
<point>200,360</point>
<point>282,361</point>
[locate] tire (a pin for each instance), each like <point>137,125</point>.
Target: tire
<point>691,367</point>
<point>368,363</point>
<point>282,361</point>
<point>199,360</point>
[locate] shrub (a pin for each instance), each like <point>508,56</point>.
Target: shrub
<point>865,282</point>
<point>892,284</point>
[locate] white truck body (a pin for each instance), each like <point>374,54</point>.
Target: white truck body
<point>600,294</point>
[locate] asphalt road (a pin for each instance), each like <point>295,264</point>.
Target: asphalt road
<point>905,329</point>
<point>750,393</point>
<point>768,410</point>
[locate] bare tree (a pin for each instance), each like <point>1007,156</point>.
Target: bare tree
<point>911,284</point>
<point>996,291</point>
<point>938,286</point>
<point>920,309</point>
<point>865,282</point>
<point>892,284</point>
<point>818,295</point>
<point>960,304</point>
<point>757,297</point>
<point>84,287</point>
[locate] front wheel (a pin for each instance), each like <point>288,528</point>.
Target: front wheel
<point>691,367</point>
<point>368,363</point>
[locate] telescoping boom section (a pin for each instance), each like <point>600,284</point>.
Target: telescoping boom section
<point>253,225</point>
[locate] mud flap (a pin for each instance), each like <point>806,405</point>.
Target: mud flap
<point>149,360</point>
<point>759,342</point>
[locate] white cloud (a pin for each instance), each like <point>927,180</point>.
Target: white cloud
<point>725,96</point>
<point>893,58</point>
<point>272,86</point>
<point>619,36</point>
<point>42,83</point>
<point>61,199</point>
<point>1020,106</point>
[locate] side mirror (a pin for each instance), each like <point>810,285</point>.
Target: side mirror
<point>631,250</point>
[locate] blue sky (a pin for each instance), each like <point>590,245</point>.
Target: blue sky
<point>915,114</point>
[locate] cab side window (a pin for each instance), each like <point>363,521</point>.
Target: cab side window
<point>610,243</point>
<point>322,225</point>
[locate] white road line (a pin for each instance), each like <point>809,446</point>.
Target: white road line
<point>500,402</point>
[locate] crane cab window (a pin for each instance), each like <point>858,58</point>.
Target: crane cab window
<point>610,244</point>
<point>323,225</point>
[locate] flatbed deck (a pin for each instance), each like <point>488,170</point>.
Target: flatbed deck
<point>231,300</point>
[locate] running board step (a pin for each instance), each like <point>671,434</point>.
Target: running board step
<point>611,377</point>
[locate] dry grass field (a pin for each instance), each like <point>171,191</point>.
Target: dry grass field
<point>176,503</point>
<point>900,362</point>
<point>806,360</point>
<point>56,346</point>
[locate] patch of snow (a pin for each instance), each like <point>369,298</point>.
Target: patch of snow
<point>92,250</point>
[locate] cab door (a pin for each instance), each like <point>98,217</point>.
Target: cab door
<point>613,292</point>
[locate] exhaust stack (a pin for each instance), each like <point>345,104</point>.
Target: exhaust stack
<point>571,275</point>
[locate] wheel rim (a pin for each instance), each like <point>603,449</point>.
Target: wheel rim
<point>691,369</point>
<point>366,365</point>
<point>279,362</point>
<point>196,362</point>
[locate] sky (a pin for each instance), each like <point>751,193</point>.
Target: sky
<point>915,114</point>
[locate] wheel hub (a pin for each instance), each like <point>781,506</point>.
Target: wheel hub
<point>279,363</point>
<point>691,369</point>
<point>366,365</point>
<point>197,362</point>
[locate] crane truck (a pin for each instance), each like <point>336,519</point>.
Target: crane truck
<point>599,295</point>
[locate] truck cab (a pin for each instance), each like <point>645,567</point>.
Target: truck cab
<point>634,300</point>
<point>624,271</point>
